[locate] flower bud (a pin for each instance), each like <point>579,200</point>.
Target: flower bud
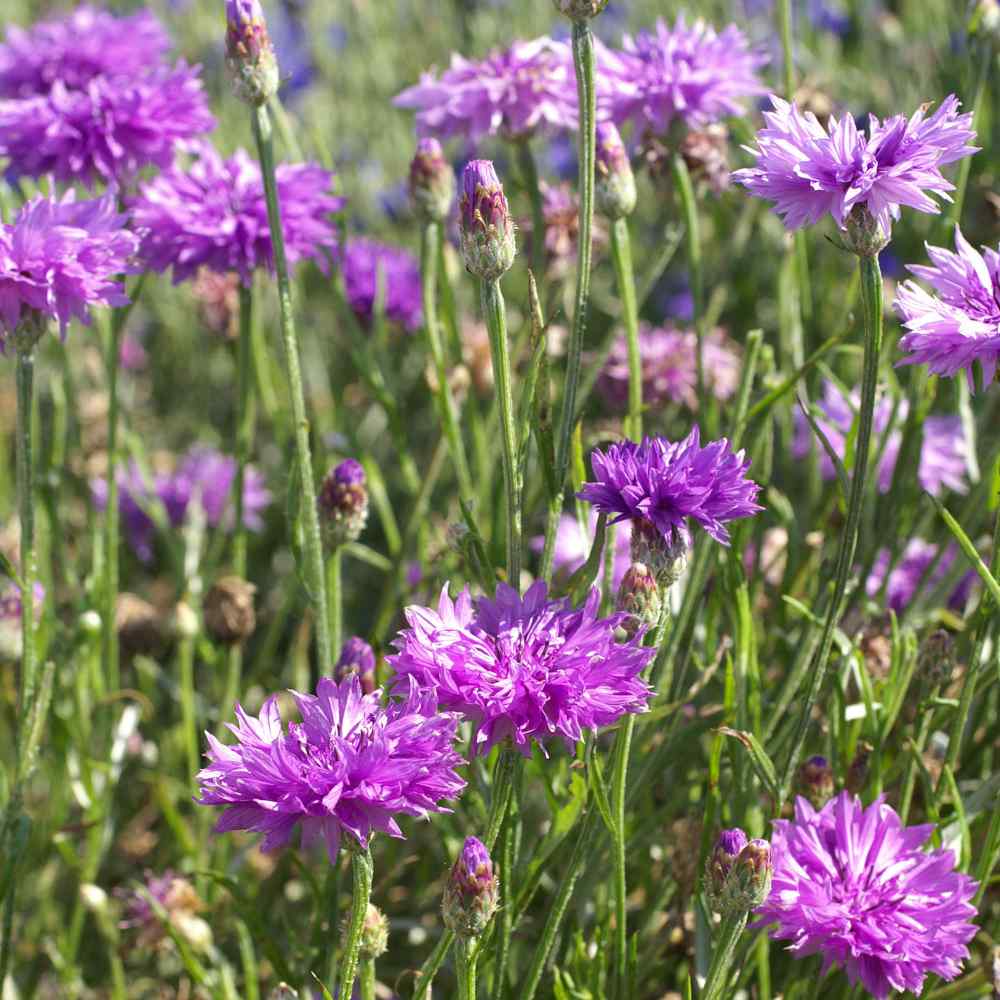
<point>936,659</point>
<point>580,10</point>
<point>754,869</point>
<point>472,892</point>
<point>738,874</point>
<point>229,612</point>
<point>343,503</point>
<point>816,781</point>
<point>865,235</point>
<point>356,660</point>
<point>374,933</point>
<point>141,628</point>
<point>667,560</point>
<point>857,773</point>
<point>432,182</point>
<point>639,597</point>
<point>614,182</point>
<point>488,245</point>
<point>249,53</point>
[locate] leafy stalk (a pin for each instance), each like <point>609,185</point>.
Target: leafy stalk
<point>361,868</point>
<point>621,254</point>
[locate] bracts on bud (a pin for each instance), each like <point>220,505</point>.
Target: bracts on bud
<point>936,659</point>
<point>432,182</point>
<point>580,10</point>
<point>639,597</point>
<point>738,874</point>
<point>472,893</point>
<point>666,559</point>
<point>614,182</point>
<point>488,244</point>
<point>343,503</point>
<point>249,54</point>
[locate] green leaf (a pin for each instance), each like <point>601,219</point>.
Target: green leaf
<point>970,550</point>
<point>595,773</point>
<point>583,579</point>
<point>827,447</point>
<point>9,570</point>
<point>762,764</point>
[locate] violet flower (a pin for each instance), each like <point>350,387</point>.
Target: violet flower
<point>692,74</point>
<point>960,324</point>
<point>351,766</point>
<point>377,271</point>
<point>919,568</point>
<point>523,668</point>
<point>854,885</point>
<point>943,452</point>
<point>808,170</point>
<point>213,214</point>
<point>59,258</point>
<point>513,92</point>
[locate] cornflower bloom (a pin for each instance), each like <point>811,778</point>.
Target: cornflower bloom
<point>960,324</point>
<point>693,74</point>
<point>808,170</point>
<point>523,669</point>
<point>943,452</point>
<point>88,98</point>
<point>351,766</point>
<point>854,885</point>
<point>377,272</point>
<point>511,92</point>
<point>919,567</point>
<point>213,214</point>
<point>57,259</point>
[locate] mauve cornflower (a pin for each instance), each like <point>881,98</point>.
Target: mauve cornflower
<point>523,669</point>
<point>213,214</point>
<point>960,325</point>
<point>204,476</point>
<point>669,367</point>
<point>808,170</point>
<point>853,885</point>
<point>376,271</point>
<point>512,92</point>
<point>943,451</point>
<point>88,98</point>
<point>659,485</point>
<point>688,73</point>
<point>910,574</point>
<point>572,546</point>
<point>59,258</point>
<point>351,766</point>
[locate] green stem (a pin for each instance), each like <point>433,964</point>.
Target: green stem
<point>446,402</point>
<point>986,56</point>
<point>621,254</point>
<point>910,778</point>
<point>529,178</point>
<point>109,630</point>
<point>361,867</point>
<point>495,315</point>
<point>722,957</point>
<point>623,747</point>
<point>366,980</point>
<point>871,294</point>
<point>785,23</point>
<point>334,592</point>
<point>505,918</point>
<point>467,955</point>
<point>189,719</point>
<point>310,514</point>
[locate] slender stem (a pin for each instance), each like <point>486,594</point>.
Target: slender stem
<point>334,592</point>
<point>623,747</point>
<point>446,402</point>
<point>505,918</point>
<point>910,778</point>
<point>109,629</point>
<point>495,314</point>
<point>313,541</point>
<point>621,254</point>
<point>871,294</point>
<point>467,955</point>
<point>583,61</point>
<point>189,716</point>
<point>361,867</point>
<point>366,979</point>
<point>722,957</point>
<point>425,977</point>
<point>529,178</point>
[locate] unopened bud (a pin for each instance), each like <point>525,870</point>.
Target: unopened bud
<point>356,660</point>
<point>667,560</point>
<point>639,597</point>
<point>738,874</point>
<point>374,933</point>
<point>139,625</point>
<point>865,235</point>
<point>580,10</point>
<point>857,773</point>
<point>229,612</point>
<point>343,503</point>
<point>249,54</point>
<point>614,182</point>
<point>472,892</point>
<point>816,781</point>
<point>488,245</point>
<point>432,181</point>
<point>936,659</point>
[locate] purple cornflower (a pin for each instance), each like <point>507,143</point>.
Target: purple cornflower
<point>213,214</point>
<point>693,74</point>
<point>523,668</point>
<point>853,885</point>
<point>376,271</point>
<point>669,367</point>
<point>357,659</point>
<point>351,766</point>
<point>204,476</point>
<point>249,53</point>
<point>960,325</point>
<point>59,258</point>
<point>808,170</point>
<point>910,574</point>
<point>75,49</point>
<point>943,451</point>
<point>659,485</point>
<point>572,546</point>
<point>512,92</point>
<point>472,892</point>
<point>88,98</point>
